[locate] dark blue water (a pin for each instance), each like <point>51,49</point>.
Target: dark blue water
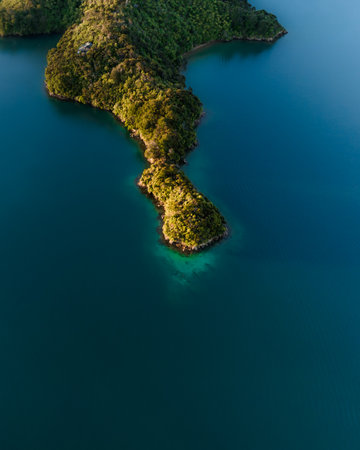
<point>110,341</point>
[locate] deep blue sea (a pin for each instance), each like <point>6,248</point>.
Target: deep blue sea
<point>109,340</point>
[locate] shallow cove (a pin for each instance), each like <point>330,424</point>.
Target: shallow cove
<point>108,339</point>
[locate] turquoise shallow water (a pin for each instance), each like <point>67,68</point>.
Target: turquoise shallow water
<point>109,340</point>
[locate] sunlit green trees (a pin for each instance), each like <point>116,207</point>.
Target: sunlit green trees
<point>133,70</point>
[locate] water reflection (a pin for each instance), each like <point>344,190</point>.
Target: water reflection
<point>226,51</point>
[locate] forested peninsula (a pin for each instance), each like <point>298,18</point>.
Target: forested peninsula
<point>125,56</point>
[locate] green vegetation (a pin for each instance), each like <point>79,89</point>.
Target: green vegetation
<point>190,220</point>
<point>133,70</point>
<point>24,17</point>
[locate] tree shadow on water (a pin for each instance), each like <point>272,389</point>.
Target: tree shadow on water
<point>226,51</point>
<point>90,117</point>
<point>35,45</point>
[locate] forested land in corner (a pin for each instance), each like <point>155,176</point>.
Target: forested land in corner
<point>25,17</point>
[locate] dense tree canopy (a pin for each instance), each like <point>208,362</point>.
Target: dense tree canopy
<point>24,17</point>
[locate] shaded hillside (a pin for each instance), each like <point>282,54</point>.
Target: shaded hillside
<point>24,17</point>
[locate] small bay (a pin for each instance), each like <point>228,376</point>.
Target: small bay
<point>109,339</point>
